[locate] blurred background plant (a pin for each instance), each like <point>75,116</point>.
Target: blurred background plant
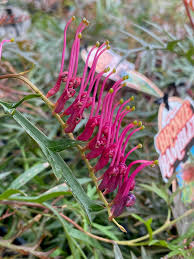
<point>154,35</point>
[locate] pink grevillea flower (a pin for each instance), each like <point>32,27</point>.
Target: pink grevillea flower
<point>1,45</point>
<point>124,197</point>
<point>62,73</point>
<point>106,139</point>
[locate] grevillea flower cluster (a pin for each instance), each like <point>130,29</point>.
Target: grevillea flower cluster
<point>105,139</point>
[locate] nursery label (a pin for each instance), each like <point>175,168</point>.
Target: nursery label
<point>135,81</point>
<point>175,140</point>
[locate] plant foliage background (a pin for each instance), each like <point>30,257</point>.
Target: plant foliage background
<point>157,38</point>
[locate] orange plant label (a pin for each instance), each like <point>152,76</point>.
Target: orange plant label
<point>175,136</point>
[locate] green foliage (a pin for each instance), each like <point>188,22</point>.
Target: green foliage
<point>41,170</point>
<point>60,168</point>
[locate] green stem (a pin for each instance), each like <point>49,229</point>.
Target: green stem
<point>166,225</point>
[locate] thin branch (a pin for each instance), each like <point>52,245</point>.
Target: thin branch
<point>22,203</point>
<point>26,250</point>
<point>133,242</point>
<point>86,232</point>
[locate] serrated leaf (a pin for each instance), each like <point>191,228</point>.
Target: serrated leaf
<point>28,175</point>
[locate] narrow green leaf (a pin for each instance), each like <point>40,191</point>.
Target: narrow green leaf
<point>138,218</point>
<point>33,131</point>
<point>56,213</point>
<point>158,243</point>
<point>142,42</point>
<point>149,228</point>
<point>53,145</point>
<point>106,230</point>
<point>66,228</point>
<point>62,144</point>
<point>56,170</point>
<point>60,168</point>
<point>28,97</point>
<point>57,253</point>
<point>171,45</point>
<point>132,255</point>
<point>28,175</point>
<point>153,35</point>
<point>15,105</point>
<point>117,252</point>
<point>147,223</point>
<point>173,253</point>
<point>5,195</point>
<point>144,254</point>
<point>59,190</point>
<point>55,192</point>
<point>70,179</point>
<point>83,237</point>
<point>153,242</point>
<point>159,191</point>
<point>4,175</point>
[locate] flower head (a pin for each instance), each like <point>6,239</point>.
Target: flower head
<point>107,141</point>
